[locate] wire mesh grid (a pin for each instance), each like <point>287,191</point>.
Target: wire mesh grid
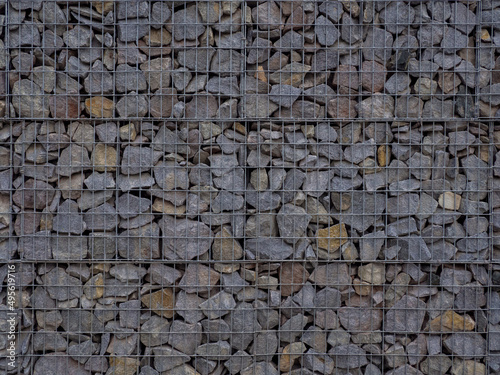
<point>254,187</point>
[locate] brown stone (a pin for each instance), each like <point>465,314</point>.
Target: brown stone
<point>198,278</point>
<point>225,247</point>
<point>468,367</point>
<point>64,106</point>
<point>104,158</point>
<point>373,76</point>
<point>99,106</point>
<point>347,76</point>
<point>291,352</point>
<point>161,302</point>
<point>165,207</point>
<point>383,154</point>
<point>332,238</point>
<point>292,278</point>
<point>162,102</point>
<point>34,194</point>
<point>449,200</point>
<point>342,108</point>
<point>450,321</point>
<point>260,75</point>
<point>157,38</point>
<point>94,288</point>
<point>123,365</point>
<point>27,223</point>
<point>103,7</point>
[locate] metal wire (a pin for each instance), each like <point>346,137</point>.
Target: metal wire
<point>252,187</point>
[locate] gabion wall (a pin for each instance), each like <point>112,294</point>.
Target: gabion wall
<point>249,187</point>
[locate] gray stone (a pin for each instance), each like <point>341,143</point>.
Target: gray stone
<point>378,106</point>
<point>398,83</point>
<point>132,105</point>
<point>68,219</point>
<point>129,206</point>
<point>291,41</point>
<point>223,86</point>
<point>233,181</point>
<point>265,346</point>
<point>326,33</point>
<point>269,248</point>
<point>36,246</point>
<point>196,59</point>
<point>474,243</point>
<point>325,60</point>
<point>360,151</point>
<point>101,218</point>
<point>57,363</point>
<point>26,35</point>
<point>181,78</point>
<point>453,40</point>
<point>107,132</point>
<point>60,286</point>
<point>216,329</point>
<point>396,16</point>
<point>491,94</point>
<point>261,368</point>
<point>187,306</point>
<point>284,95</point>
<point>332,10</point>
<point>348,356</point>
<point>462,18</point>
<point>238,361</point>
<point>292,222</point>
<point>263,200</point>
<point>317,362</point>
<point>226,201</point>
<point>140,243</point>
<point>132,9</point>
<point>167,358</point>
<point>184,239</point>
<point>470,297</point>
<point>350,30</point>
<point>160,13</point>
<point>406,315</point>
<point>377,45</point>
<point>29,100</point>
<point>78,37</point>
<point>132,30</point>
<point>371,244</point>
<point>34,194</point>
<point>259,51</point>
<point>220,350</point>
<point>99,80</point>
<point>257,106</point>
<point>185,337</point>
<point>466,345</point>
<point>187,24</point>
<point>365,209</point>
<point>327,298</point>
<point>129,79</point>
<point>218,305</point>
<point>100,181</point>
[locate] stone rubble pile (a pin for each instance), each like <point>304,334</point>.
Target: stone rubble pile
<point>260,187</point>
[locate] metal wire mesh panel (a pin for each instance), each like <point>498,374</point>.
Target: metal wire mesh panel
<point>249,187</point>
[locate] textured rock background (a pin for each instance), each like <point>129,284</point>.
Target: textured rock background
<point>254,187</point>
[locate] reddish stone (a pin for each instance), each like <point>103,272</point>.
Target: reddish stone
<point>347,76</point>
<point>63,106</point>
<point>292,278</point>
<point>342,108</point>
<point>373,76</point>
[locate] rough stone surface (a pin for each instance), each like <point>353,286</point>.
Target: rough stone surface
<point>250,187</point>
